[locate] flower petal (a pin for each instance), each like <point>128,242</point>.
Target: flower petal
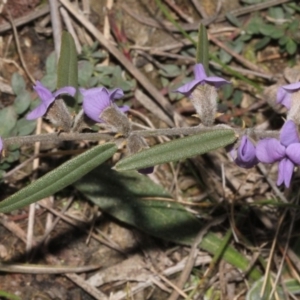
<point>293,87</point>
<point>289,133</point>
<point>293,153</point>
<point>199,72</point>
<point>95,100</point>
<point>269,151</point>
<point>65,90</point>
<point>187,88</point>
<point>116,94</point>
<point>124,108</point>
<point>246,156</point>
<point>39,111</point>
<point>1,144</point>
<point>216,81</point>
<point>284,98</point>
<point>44,93</point>
<point>285,172</point>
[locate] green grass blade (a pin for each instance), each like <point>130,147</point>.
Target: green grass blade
<point>178,149</point>
<point>202,48</point>
<point>56,180</point>
<point>67,71</point>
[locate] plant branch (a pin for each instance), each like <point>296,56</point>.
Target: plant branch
<point>73,136</point>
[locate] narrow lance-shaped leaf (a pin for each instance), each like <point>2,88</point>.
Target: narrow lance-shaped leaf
<point>202,48</point>
<point>136,200</point>
<point>67,71</point>
<point>178,149</point>
<point>56,180</point>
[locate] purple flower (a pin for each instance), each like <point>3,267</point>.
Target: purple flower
<point>284,94</point>
<point>96,100</point>
<point>245,156</point>
<point>200,78</point>
<point>286,151</point>
<point>1,145</point>
<point>47,98</point>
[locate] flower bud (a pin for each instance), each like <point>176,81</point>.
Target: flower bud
<point>58,114</point>
<point>113,116</point>
<point>204,99</point>
<point>135,144</point>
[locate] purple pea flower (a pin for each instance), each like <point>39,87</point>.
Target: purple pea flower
<point>96,100</point>
<point>47,98</point>
<point>245,156</point>
<point>284,94</point>
<point>286,151</point>
<point>200,78</point>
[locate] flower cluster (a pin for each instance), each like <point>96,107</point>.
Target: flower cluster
<point>285,151</point>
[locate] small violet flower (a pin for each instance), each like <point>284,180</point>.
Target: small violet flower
<point>284,94</point>
<point>286,151</point>
<point>1,145</point>
<point>200,78</point>
<point>47,98</point>
<point>245,155</point>
<point>96,100</point>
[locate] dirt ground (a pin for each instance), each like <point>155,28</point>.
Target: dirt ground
<point>122,258</point>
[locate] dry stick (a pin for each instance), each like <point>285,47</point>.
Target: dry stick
<point>192,256</point>
<point>268,268</point>
<point>238,57</point>
<point>56,26</point>
<point>26,19</point>
<point>67,20</point>
<point>19,48</point>
<point>46,269</point>
<point>30,226</point>
<point>279,272</point>
<point>106,27</point>
<point>272,184</point>
<point>199,9</point>
<point>167,272</point>
<point>179,11</point>
<point>140,77</point>
<point>192,27</point>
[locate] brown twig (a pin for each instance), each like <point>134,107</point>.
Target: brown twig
<point>19,47</point>
<point>192,27</point>
<point>192,256</point>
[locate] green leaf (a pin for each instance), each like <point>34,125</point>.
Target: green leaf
<point>85,71</point>
<point>170,70</point>
<point>50,80</point>
<point>136,200</point>
<point>18,84</point>
<point>22,102</point>
<point>8,296</point>
<point>8,120</point>
<point>291,47</point>
<point>67,70</point>
<point>61,177</point>
<point>51,64</point>
<point>283,40</point>
<point>267,29</point>
<point>178,149</point>
<point>234,20</point>
<point>255,290</point>
<point>262,43</point>
<point>202,48</point>
<point>276,13</point>
<point>25,127</point>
